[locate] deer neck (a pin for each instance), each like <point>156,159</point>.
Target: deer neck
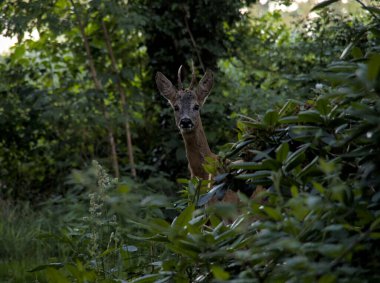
<point>197,149</point>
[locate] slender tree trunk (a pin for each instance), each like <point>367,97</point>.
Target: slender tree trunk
<point>187,16</point>
<point>122,97</point>
<point>99,88</point>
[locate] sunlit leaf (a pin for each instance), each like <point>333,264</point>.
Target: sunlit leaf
<point>273,213</point>
<point>219,273</point>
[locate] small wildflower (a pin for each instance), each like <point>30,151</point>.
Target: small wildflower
<point>318,86</point>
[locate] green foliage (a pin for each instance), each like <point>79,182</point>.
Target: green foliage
<point>180,31</point>
<point>318,218</point>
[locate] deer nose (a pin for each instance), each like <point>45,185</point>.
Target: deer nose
<point>186,123</point>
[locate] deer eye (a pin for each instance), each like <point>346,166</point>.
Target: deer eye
<point>176,108</point>
<point>196,107</point>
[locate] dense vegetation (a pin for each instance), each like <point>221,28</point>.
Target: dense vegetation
<point>93,173</point>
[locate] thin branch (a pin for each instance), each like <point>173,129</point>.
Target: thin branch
<point>187,15</point>
<point>366,8</point>
<point>123,99</point>
<point>99,88</point>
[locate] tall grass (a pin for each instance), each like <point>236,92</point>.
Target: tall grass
<point>27,236</point>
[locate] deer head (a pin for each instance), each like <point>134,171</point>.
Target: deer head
<point>186,102</point>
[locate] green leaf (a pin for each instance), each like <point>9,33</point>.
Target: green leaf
<point>266,164</point>
<point>62,4</point>
<point>323,4</point>
<point>289,107</point>
<point>375,224</point>
<point>156,238</point>
<point>271,118</point>
<point>323,106</point>
<point>331,250</point>
<point>304,133</point>
<point>298,208</point>
<point>183,219</point>
<point>334,228</point>
<point>297,262</point>
<point>288,120</point>
<point>327,278</point>
<point>273,213</point>
<point>282,152</point>
<point>219,273</point>
<point>254,176</point>
<point>296,158</point>
<point>179,248</point>
<point>123,188</point>
<point>310,116</point>
<point>18,52</point>
<point>357,53</point>
<point>341,67</point>
<point>373,67</point>
<point>53,275</point>
<point>308,168</point>
<point>55,265</point>
<point>239,146</point>
<point>107,252</point>
<point>294,191</point>
<point>375,235</point>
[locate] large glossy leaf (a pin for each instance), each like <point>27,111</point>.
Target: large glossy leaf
<point>308,168</point>
<point>254,176</point>
<point>271,118</point>
<point>185,216</point>
<point>296,158</point>
<point>310,116</point>
<point>217,190</point>
<point>304,133</point>
<point>282,152</point>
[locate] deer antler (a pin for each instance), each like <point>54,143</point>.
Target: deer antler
<point>193,79</point>
<point>180,85</point>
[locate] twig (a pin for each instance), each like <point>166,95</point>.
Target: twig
<point>187,15</point>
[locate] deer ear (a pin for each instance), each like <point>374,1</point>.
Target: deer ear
<point>205,86</point>
<point>165,87</point>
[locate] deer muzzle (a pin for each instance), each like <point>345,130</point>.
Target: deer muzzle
<point>186,124</point>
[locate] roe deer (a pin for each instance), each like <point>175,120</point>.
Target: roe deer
<point>187,104</point>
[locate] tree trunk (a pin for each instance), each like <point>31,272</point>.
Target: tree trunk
<point>122,98</point>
